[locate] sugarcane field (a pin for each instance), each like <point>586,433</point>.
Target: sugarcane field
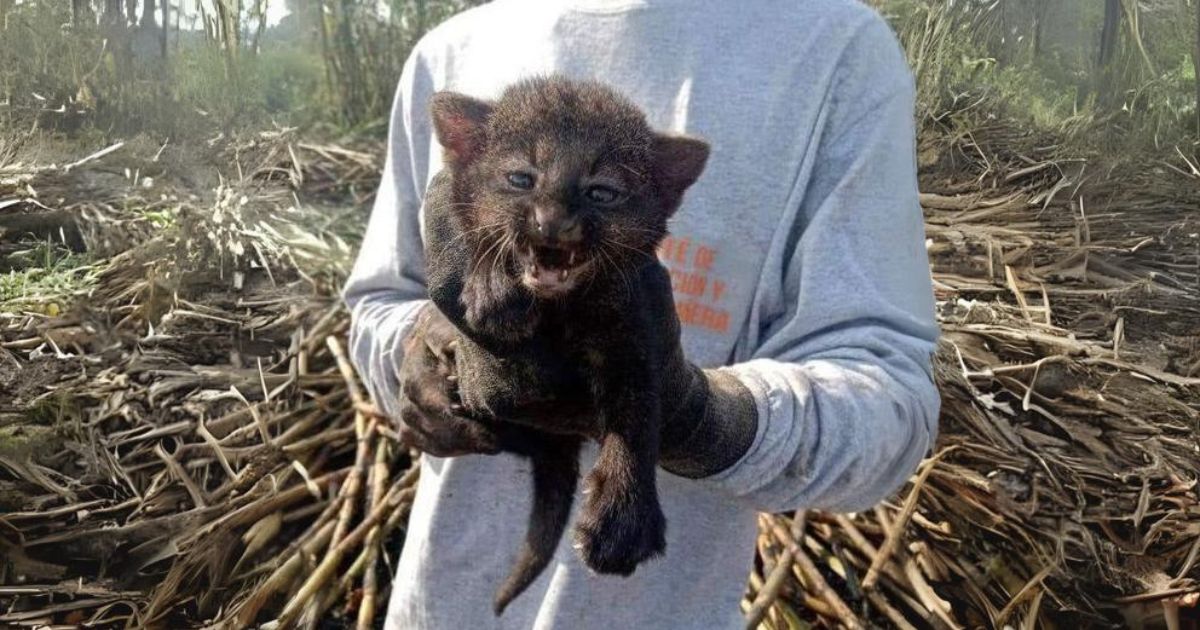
<point>188,438</point>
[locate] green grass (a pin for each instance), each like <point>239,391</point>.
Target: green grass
<point>45,279</point>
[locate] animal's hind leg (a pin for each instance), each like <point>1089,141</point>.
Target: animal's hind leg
<point>621,523</point>
<point>555,461</point>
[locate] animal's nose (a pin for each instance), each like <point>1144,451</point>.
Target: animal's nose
<point>556,225</point>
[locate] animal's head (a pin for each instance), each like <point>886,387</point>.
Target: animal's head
<point>563,179</point>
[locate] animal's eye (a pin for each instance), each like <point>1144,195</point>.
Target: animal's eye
<point>602,194</point>
<point>519,180</point>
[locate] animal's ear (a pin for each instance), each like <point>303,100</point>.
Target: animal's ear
<point>678,162</point>
<point>460,123</point>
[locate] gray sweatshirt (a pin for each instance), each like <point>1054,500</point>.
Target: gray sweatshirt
<point>798,261</point>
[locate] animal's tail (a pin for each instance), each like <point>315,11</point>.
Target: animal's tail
<point>555,473</point>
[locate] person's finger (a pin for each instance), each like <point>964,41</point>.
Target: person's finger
<point>425,314</point>
<point>445,433</point>
<point>445,353</point>
<point>409,438</point>
<point>444,367</point>
<point>417,335</point>
<point>419,433</point>
<point>423,384</point>
<point>428,397</point>
<point>483,439</point>
<point>432,347</point>
<point>472,434</point>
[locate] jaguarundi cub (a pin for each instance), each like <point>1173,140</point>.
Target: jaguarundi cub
<point>540,236</point>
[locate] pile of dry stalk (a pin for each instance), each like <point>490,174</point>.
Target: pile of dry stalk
<point>1063,488</point>
<point>181,446</point>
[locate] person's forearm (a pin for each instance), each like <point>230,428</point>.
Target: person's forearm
<point>711,427</point>
<point>782,435</point>
<point>838,434</point>
<point>379,326</point>
<point>387,286</point>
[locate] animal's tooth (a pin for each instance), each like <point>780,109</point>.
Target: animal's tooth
<point>572,261</point>
<point>562,275</point>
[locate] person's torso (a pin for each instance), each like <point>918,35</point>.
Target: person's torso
<point>749,77</point>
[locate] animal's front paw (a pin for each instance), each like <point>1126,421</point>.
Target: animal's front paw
<point>619,528</point>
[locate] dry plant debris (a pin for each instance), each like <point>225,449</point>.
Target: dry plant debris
<point>183,445</point>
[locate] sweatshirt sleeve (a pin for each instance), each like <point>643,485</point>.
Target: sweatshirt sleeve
<point>842,378</point>
<point>386,287</point>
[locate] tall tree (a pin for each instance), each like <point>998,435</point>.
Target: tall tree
<point>229,31</point>
<point>162,36</point>
<point>148,11</point>
<point>1039,23</point>
<point>260,12</point>
<point>1134,21</point>
<point>326,52</point>
<point>1196,66</point>
<point>1109,33</point>
<point>81,12</point>
<point>210,31</point>
<point>1110,36</point>
<point>229,14</point>
<point>114,13</point>
<point>4,5</point>
<point>350,59</point>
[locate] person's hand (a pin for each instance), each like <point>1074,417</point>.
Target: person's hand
<point>709,420</point>
<point>432,419</point>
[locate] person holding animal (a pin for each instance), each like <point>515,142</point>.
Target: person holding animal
<point>791,370</point>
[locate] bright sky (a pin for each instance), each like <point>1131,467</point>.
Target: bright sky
<point>275,12</point>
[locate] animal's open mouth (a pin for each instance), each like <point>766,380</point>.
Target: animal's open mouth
<point>551,269</point>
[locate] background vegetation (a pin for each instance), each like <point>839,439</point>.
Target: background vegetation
<point>183,443</point>
<point>112,67</point>
<point>1129,66</point>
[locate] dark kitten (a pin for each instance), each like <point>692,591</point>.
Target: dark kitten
<point>541,234</point>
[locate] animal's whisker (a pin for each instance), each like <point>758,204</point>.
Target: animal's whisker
<point>616,268</point>
<point>484,256</point>
<point>452,204</point>
<point>633,170</point>
<point>501,255</point>
<point>475,230</point>
<point>623,147</point>
<point>638,252</point>
<point>641,230</point>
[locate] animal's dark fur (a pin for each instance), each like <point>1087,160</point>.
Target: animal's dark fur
<point>585,344</point>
